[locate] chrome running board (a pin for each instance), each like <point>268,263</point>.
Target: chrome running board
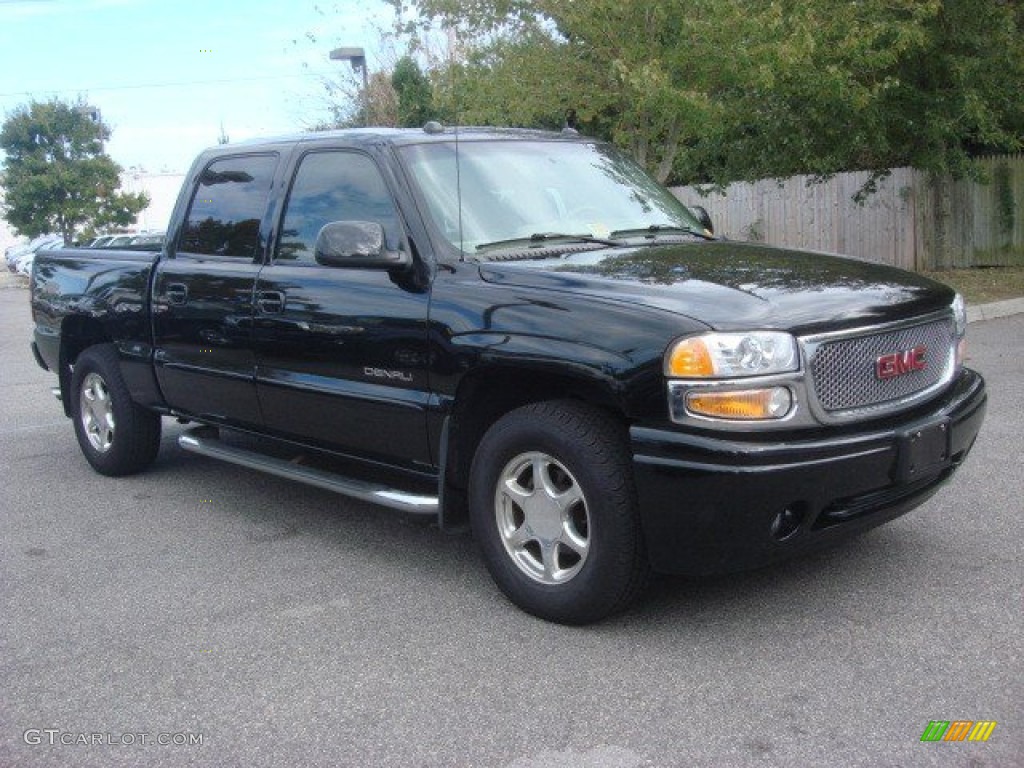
<point>346,486</point>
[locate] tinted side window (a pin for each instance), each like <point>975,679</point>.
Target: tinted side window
<point>224,218</point>
<point>334,186</point>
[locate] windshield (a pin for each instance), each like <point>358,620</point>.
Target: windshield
<point>523,189</point>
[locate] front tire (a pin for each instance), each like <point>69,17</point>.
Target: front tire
<point>553,508</point>
<point>116,435</point>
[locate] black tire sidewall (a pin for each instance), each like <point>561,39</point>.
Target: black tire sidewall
<point>602,468</point>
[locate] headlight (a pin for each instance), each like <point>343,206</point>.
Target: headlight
<point>728,355</point>
<point>960,322</point>
<point>960,315</point>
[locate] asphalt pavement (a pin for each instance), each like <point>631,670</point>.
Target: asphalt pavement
<point>249,621</point>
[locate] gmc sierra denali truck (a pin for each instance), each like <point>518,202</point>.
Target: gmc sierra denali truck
<point>522,331</point>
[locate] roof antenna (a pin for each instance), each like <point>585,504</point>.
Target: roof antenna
<point>452,43</point>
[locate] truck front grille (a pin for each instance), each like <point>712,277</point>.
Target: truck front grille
<point>844,371</point>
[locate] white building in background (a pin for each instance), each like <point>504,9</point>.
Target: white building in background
<point>162,189</point>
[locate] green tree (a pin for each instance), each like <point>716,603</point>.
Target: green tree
<point>415,95</point>
<point>649,75</point>
<point>720,90</point>
<point>870,86</point>
<point>57,178</point>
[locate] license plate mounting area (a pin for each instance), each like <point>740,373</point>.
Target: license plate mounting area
<point>923,451</point>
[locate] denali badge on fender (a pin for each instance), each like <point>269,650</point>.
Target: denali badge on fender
<point>899,363</point>
<point>380,373</point>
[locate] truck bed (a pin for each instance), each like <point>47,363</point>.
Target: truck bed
<point>102,292</point>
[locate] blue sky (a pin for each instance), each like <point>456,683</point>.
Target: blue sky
<point>166,73</point>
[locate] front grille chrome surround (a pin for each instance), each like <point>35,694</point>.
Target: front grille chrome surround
<point>841,368</point>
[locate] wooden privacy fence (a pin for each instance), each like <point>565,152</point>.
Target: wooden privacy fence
<point>915,220</point>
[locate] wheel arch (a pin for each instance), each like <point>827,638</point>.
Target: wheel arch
<point>77,334</point>
<point>486,394</point>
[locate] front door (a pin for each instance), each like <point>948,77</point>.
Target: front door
<point>341,353</point>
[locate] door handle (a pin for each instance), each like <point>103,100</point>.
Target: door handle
<point>270,302</point>
<point>176,293</point>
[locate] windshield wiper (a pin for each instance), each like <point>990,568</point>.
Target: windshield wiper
<point>538,238</point>
<point>658,229</point>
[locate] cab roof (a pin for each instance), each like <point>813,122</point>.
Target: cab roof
<point>431,133</point>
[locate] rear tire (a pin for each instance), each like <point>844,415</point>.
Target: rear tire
<point>553,508</point>
<point>116,435</point>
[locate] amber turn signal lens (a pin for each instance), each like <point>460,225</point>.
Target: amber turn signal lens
<point>690,359</point>
<point>746,405</point>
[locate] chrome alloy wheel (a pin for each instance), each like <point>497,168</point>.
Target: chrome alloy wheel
<point>97,412</point>
<point>542,518</point>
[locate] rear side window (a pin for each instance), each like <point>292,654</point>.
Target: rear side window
<point>224,218</point>
<point>334,186</point>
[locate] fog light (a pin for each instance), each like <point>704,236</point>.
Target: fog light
<point>745,404</point>
<point>787,522</point>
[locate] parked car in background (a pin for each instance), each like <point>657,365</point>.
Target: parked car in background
<point>11,254</point>
<point>23,266</point>
<point>24,254</point>
<point>12,251</point>
<point>147,238</point>
<point>112,240</point>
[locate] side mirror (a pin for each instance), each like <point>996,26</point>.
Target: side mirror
<point>703,217</point>
<point>356,244</point>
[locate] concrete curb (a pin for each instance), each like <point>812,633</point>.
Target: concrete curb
<point>975,314</point>
<point>995,309</point>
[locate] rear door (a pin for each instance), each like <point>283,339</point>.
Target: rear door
<point>203,292</point>
<point>342,352</point>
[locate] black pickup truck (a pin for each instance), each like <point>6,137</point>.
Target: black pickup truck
<point>522,331</point>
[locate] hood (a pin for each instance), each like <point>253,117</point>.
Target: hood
<point>736,286</point>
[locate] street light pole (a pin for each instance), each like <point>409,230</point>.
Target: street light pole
<point>357,58</point>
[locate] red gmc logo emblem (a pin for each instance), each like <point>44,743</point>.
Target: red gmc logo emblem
<point>899,363</point>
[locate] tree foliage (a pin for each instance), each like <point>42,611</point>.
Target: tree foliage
<point>874,85</point>
<point>353,106</point>
<point>721,90</point>
<point>414,92</point>
<point>57,177</point>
